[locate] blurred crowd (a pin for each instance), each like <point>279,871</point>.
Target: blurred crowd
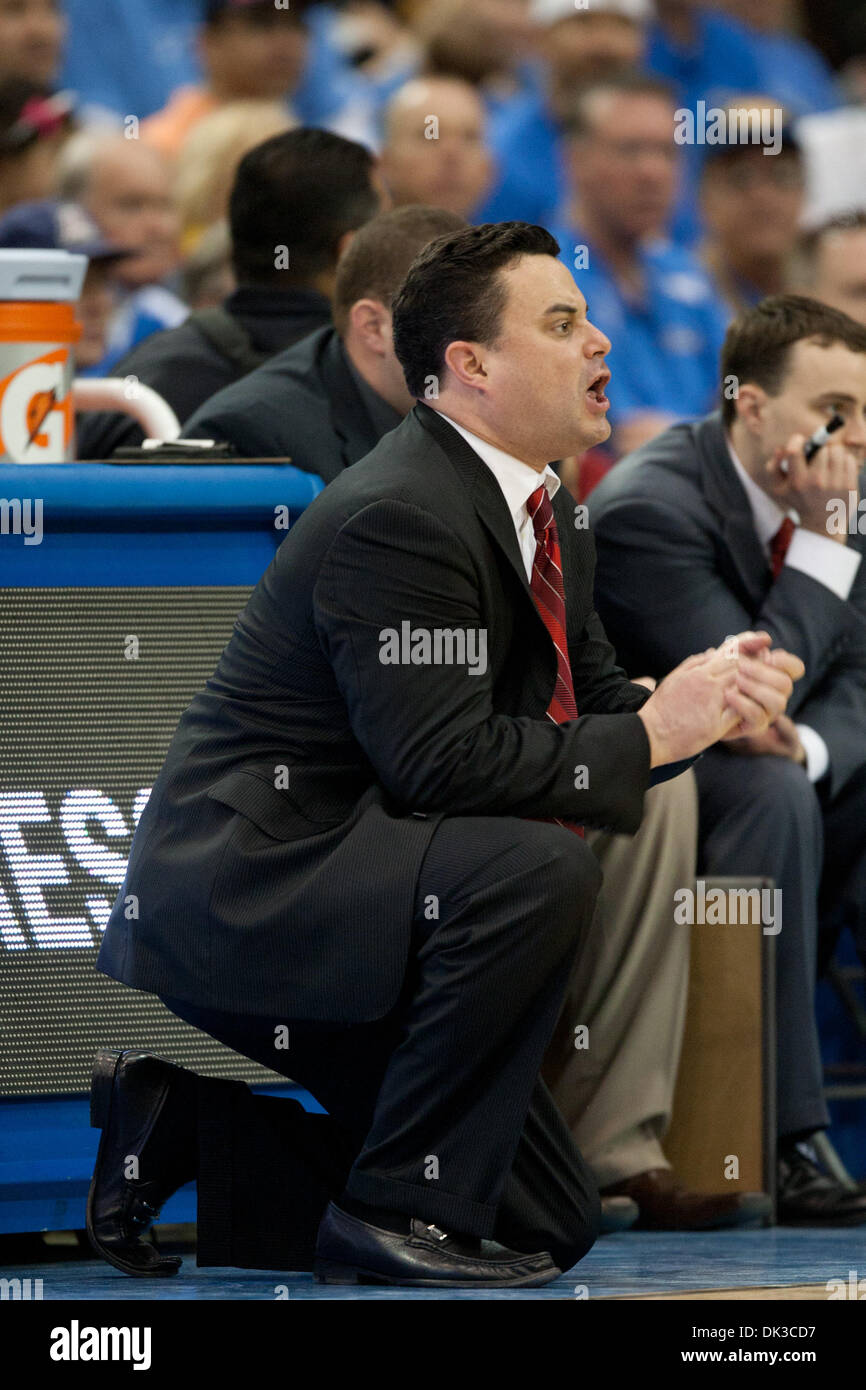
<point>123,125</point>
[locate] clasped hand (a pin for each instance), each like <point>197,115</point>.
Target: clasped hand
<point>734,691</point>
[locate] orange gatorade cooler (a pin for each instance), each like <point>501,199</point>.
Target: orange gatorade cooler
<point>38,329</point>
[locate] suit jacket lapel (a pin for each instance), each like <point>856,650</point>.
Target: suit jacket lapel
<point>485,492</point>
<point>726,497</point>
<point>493,512</point>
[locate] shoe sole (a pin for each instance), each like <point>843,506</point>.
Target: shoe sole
<point>101,1089</point>
<point>331,1272</point>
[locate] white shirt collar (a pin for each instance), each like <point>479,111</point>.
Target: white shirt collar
<point>766,513</point>
<point>517,480</point>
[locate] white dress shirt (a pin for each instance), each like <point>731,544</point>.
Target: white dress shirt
<point>824,560</point>
<point>832,564</point>
<point>518,481</point>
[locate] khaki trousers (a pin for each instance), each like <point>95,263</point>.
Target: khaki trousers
<point>614,1082</point>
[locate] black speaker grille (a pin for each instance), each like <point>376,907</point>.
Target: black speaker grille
<point>92,684</point>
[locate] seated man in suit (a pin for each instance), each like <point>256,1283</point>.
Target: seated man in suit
<point>723,523</point>
<point>361,862</point>
<point>307,192</point>
<point>329,398</point>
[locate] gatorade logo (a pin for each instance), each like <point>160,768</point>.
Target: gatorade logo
<point>36,411</point>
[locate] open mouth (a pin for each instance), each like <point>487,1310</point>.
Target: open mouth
<point>595,397</point>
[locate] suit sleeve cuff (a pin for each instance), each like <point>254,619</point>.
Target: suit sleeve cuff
<point>833,565</point>
<point>817,753</point>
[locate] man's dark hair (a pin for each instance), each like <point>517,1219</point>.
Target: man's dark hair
<point>294,197</point>
<point>757,345</point>
<point>380,254</point>
<point>256,13</point>
<point>624,81</point>
<point>454,291</point>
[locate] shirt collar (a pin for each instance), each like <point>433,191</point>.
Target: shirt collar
<point>766,514</point>
<point>517,480</point>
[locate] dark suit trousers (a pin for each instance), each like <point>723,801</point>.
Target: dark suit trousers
<point>762,816</point>
<point>436,1110</point>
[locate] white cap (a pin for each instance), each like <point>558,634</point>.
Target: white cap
<point>550,11</point>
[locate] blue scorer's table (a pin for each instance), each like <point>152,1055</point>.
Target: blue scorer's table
<point>119,588</point>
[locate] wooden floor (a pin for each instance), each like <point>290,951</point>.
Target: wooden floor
<point>758,1265</point>
<point>797,1293</point>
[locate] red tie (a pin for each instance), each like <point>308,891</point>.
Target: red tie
<point>779,545</point>
<point>549,594</point>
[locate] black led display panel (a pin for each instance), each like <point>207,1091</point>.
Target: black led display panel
<point>92,684</point>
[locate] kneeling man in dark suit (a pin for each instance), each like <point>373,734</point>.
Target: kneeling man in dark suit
<point>362,862</point>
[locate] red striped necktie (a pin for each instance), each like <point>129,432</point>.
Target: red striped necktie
<point>779,546</point>
<point>549,594</point>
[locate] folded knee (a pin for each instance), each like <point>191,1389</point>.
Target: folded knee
<point>580,1230</point>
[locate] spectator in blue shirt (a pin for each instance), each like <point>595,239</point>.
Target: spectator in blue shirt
<point>712,57</point>
<point>490,43</point>
<point>331,93</point>
<point>577,46</point>
<point>124,185</point>
<point>792,70</point>
<point>358,55</point>
<point>434,151</point>
<point>130,57</point>
<point>652,298</point>
<point>703,54</point>
<point>752,204</point>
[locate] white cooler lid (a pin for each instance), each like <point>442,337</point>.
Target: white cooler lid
<point>53,276</point>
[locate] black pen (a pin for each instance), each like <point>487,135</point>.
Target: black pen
<point>820,437</point>
<point>817,440</point>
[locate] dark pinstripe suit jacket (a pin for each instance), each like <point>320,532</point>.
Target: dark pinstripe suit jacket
<point>274,868</point>
<point>680,566</point>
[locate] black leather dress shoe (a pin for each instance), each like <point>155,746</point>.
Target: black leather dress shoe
<point>350,1251</point>
<point>144,1107</point>
<point>809,1196</point>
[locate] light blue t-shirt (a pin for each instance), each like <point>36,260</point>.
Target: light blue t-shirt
<point>128,57</point>
<point>726,60</point>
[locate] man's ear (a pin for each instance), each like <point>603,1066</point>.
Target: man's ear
<point>751,402</point>
<point>370,324</point>
<point>466,363</point>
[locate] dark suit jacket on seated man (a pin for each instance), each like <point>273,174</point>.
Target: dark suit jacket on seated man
<point>307,191</point>
<point>325,402</point>
<point>354,832</point>
<point>695,541</point>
